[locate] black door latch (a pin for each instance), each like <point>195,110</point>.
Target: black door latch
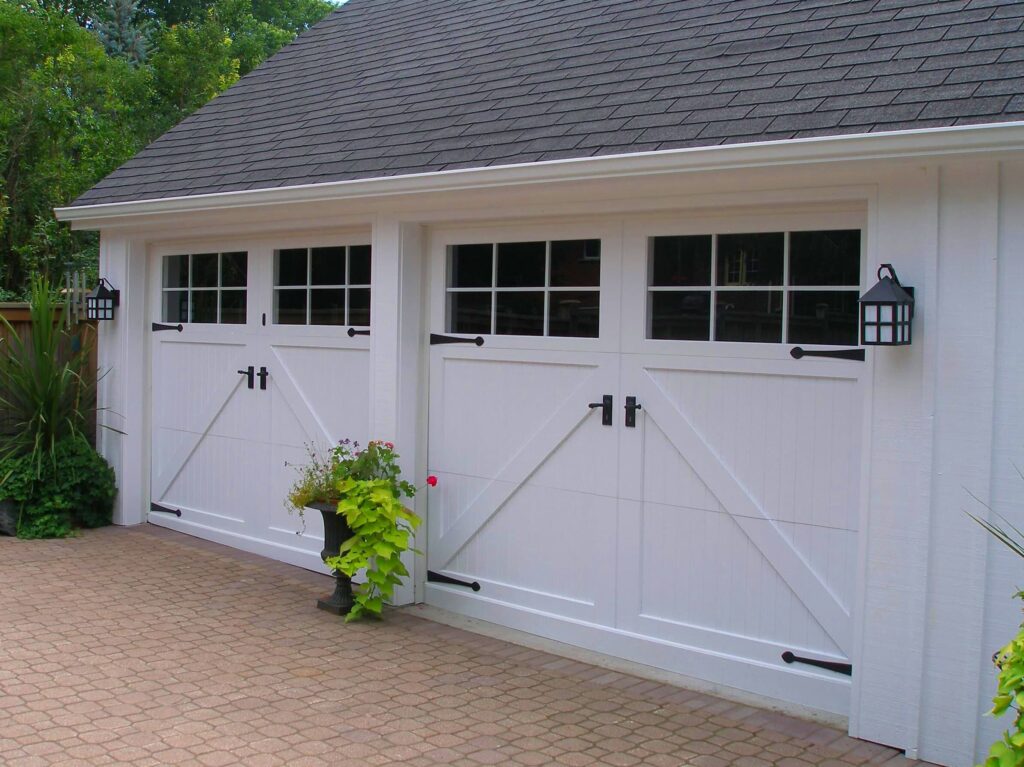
<point>263,378</point>
<point>250,374</point>
<point>631,407</point>
<point>158,326</point>
<point>606,409</point>
<point>798,352</point>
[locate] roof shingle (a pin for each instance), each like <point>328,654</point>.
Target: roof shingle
<point>388,87</point>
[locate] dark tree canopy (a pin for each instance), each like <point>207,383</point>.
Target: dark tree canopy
<point>85,84</point>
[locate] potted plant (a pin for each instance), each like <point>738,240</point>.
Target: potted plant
<point>366,525</point>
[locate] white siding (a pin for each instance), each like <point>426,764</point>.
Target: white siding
<point>933,593</point>
<point>1005,573</point>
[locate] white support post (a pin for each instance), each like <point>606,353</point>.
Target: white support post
<point>121,393</point>
<point>397,358</point>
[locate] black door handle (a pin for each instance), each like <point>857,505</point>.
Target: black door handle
<point>631,407</point>
<point>263,378</point>
<point>249,373</point>
<point>158,326</point>
<point>436,338</point>
<point>798,352</point>
<point>352,332</point>
<point>606,409</point>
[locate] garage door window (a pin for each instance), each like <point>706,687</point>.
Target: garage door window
<point>765,287</point>
<point>542,288</point>
<point>205,288</point>
<point>322,286</point>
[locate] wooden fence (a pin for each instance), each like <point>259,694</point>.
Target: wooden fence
<point>17,314</point>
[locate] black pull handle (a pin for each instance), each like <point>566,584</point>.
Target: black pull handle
<point>263,378</point>
<point>436,339</point>
<point>631,407</point>
<point>606,409</point>
<point>831,665</point>
<point>352,332</point>
<point>249,373</point>
<point>857,355</point>
<point>158,326</point>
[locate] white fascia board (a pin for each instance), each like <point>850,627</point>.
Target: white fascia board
<point>927,142</point>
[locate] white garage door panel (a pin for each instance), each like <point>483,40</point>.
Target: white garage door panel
<point>713,536</point>
<point>744,434</point>
<point>226,455</point>
<point>514,425</point>
<point>320,394</point>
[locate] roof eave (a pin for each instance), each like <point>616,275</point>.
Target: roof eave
<point>926,142</point>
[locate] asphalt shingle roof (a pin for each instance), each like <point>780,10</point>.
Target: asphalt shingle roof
<point>391,87</point>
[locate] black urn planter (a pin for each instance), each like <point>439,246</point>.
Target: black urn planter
<point>8,518</point>
<point>336,532</point>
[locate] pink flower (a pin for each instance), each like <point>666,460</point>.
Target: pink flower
<point>389,445</point>
<point>432,480</point>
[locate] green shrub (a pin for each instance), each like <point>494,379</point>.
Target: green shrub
<point>76,489</point>
<point>43,384</point>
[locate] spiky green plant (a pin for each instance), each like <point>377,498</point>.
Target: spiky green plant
<point>1010,535</point>
<point>42,386</point>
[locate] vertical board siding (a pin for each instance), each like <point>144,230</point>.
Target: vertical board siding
<point>888,661</point>
<point>1004,571</point>
<point>966,328</point>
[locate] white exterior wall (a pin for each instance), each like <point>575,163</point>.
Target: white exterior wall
<point>936,595</point>
<point>1006,491</point>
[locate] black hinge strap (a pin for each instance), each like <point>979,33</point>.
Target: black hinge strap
<point>157,326</point>
<point>436,338</point>
<point>840,354</point>
<point>433,577</point>
<point>352,332</point>
<point>164,509</point>
<point>831,665</point>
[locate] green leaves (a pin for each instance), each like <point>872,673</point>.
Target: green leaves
<point>1009,752</point>
<point>87,85</point>
<point>369,496</point>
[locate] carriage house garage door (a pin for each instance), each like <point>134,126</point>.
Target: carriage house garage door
<point>709,529</point>
<point>271,356</point>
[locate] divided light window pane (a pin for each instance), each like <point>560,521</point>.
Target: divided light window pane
<point>681,261</point>
<point>824,258</point>
<point>750,259</point>
<point>756,288</point>
<point>314,286</point>
<point>471,266</point>
<point>532,288</point>
<point>205,288</point>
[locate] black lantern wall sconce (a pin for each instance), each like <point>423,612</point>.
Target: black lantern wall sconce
<point>886,311</point>
<point>99,305</point>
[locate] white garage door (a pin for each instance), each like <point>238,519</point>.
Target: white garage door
<point>710,530</point>
<point>256,354</point>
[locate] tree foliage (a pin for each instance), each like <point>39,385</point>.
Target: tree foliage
<point>85,84</point>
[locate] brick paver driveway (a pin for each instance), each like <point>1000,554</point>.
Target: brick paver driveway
<point>140,646</point>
